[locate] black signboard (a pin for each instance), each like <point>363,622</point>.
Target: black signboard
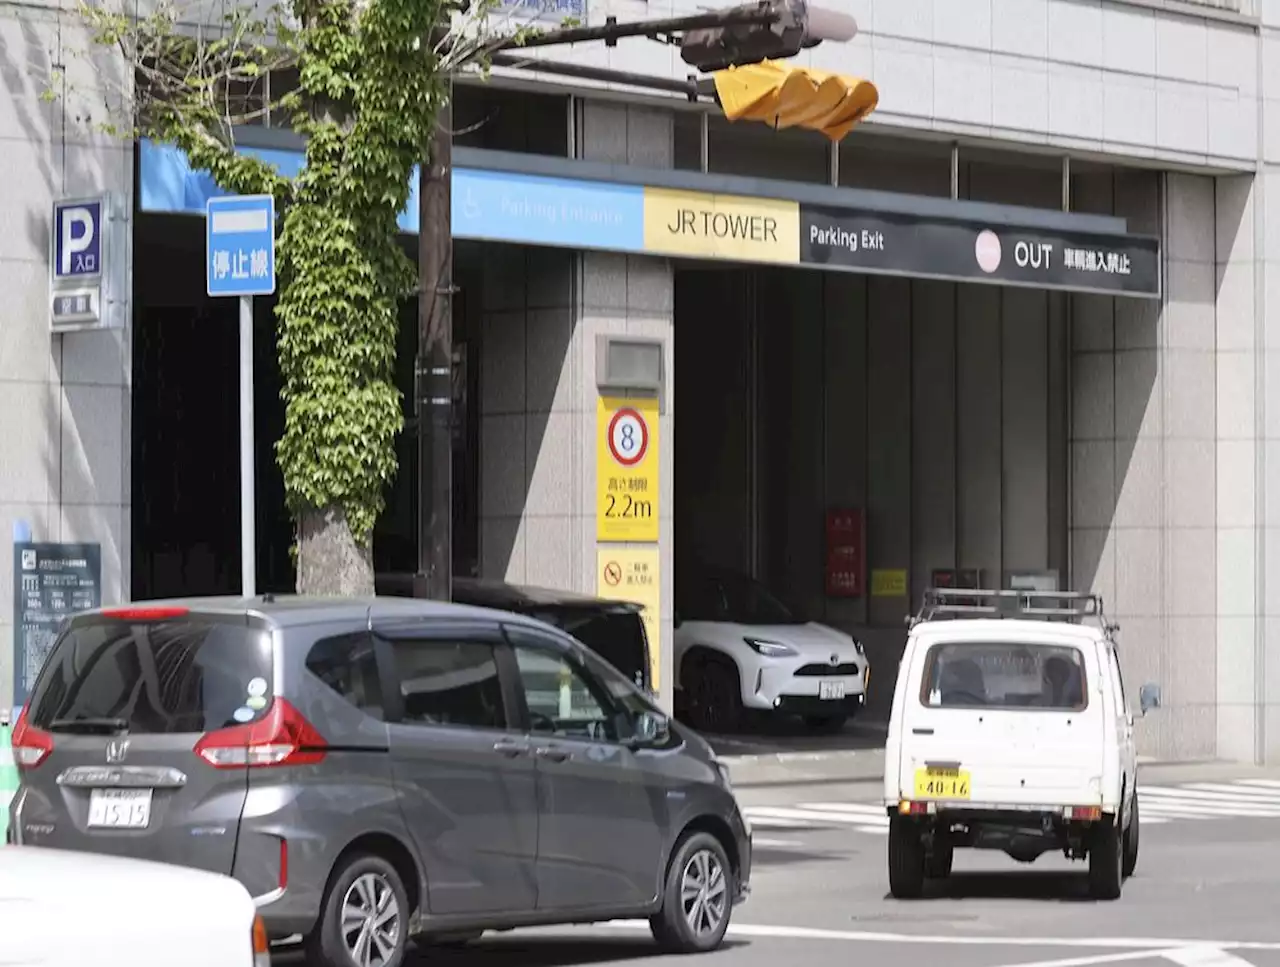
<point>50,582</point>
<point>881,242</point>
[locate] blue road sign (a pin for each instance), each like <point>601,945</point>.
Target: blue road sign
<point>240,245</point>
<point>77,239</point>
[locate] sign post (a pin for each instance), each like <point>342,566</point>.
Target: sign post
<point>240,260</point>
<point>82,293</point>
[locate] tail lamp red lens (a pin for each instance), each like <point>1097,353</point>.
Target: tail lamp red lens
<point>282,737</point>
<point>144,613</point>
<point>31,746</point>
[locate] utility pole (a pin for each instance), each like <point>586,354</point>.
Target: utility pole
<point>434,369</point>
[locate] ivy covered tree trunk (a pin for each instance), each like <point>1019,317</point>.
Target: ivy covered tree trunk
<point>373,76</point>
<point>330,560</point>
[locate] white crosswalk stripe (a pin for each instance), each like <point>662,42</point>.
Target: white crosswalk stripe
<point>1241,799</point>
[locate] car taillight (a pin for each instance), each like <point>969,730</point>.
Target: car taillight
<point>31,746</point>
<point>282,737</point>
<point>261,945</point>
<point>144,613</point>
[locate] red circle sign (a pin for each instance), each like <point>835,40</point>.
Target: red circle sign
<point>613,573</point>
<point>628,436</point>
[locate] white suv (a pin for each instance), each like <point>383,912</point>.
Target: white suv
<point>738,648</point>
<point>1010,730</point>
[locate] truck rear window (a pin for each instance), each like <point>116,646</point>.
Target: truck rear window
<point>1006,675</point>
<point>187,674</point>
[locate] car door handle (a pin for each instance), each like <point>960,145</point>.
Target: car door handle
<point>553,754</point>
<point>922,731</point>
<point>510,749</point>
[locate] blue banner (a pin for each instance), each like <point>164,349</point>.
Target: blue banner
<point>491,205</point>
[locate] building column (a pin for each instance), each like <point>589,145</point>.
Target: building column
<point>542,310</point>
<point>632,295</point>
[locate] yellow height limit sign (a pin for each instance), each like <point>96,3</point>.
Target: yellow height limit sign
<point>627,470</point>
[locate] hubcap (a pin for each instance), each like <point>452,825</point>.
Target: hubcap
<point>704,893</point>
<point>370,921</point>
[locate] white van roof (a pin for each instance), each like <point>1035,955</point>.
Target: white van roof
<point>1007,629</point>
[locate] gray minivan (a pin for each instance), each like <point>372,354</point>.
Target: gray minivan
<point>375,770</point>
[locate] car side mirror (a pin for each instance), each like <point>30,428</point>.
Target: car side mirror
<point>650,728</point>
<point>1149,697</point>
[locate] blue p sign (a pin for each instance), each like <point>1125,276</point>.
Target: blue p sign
<point>77,228</point>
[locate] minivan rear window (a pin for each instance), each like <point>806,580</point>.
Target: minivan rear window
<point>1007,675</point>
<point>187,674</point>
<point>616,636</point>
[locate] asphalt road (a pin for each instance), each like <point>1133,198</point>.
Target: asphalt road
<point>1205,895</point>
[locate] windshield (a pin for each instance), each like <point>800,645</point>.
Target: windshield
<point>178,675</point>
<point>737,600</point>
<point>1005,675</point>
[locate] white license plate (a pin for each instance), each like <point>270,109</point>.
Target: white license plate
<point>831,690</point>
<point>120,808</point>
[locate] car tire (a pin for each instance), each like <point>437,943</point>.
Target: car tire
<point>700,925</point>
<point>362,881</point>
<point>906,859</point>
<point>1131,841</point>
<point>1106,859</point>
<point>825,723</point>
<point>938,861</point>
<point>715,694</point>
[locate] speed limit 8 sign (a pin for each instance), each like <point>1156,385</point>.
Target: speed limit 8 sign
<point>627,470</point>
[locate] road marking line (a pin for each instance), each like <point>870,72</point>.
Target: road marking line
<point>1097,959</point>
<point>1203,956</point>
<point>1250,794</point>
<point>1153,946</point>
<point>1172,812</point>
<point>813,815</point>
<point>865,808</point>
<point>770,822</point>
<point>1258,799</point>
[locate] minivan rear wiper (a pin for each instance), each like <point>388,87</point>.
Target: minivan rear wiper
<point>89,725</point>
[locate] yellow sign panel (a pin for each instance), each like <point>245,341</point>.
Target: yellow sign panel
<point>721,226</point>
<point>634,574</point>
<point>627,469</point>
<point>889,584</point>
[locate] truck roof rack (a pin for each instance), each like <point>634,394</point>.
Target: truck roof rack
<point>1073,606</point>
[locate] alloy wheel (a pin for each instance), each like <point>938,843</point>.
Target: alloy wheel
<point>704,893</point>
<point>370,921</point>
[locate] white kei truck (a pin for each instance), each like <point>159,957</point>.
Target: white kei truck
<point>1011,730</point>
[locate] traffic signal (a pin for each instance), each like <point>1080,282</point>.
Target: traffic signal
<point>785,97</point>
<point>791,26</point>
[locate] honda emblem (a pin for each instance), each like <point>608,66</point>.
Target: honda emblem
<point>117,750</point>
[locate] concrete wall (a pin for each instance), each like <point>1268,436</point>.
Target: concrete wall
<point>1123,78</point>
<point>542,312</point>
<point>64,400</point>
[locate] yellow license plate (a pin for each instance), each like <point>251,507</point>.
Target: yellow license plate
<point>942,784</point>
